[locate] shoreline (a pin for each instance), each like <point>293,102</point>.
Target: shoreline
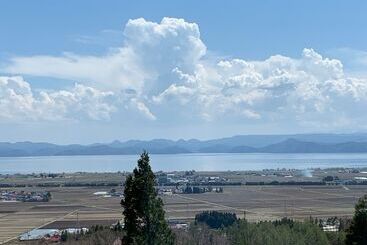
<point>281,176</point>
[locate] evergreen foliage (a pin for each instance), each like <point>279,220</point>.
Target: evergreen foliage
<point>268,233</point>
<point>357,233</point>
<point>143,211</point>
<point>215,219</point>
<point>64,236</point>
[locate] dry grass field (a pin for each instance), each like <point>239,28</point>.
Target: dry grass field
<point>269,202</point>
<point>77,206</point>
<point>68,205</point>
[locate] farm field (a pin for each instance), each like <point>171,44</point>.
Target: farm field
<point>79,207</point>
<point>269,202</point>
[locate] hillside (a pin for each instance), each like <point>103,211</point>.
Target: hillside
<point>303,143</point>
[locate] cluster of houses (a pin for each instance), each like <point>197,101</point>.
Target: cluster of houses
<point>188,183</point>
<point>111,193</point>
<point>284,173</point>
<point>330,224</point>
<point>335,180</point>
<point>49,235</point>
<point>189,190</point>
<point>188,178</point>
<point>23,196</point>
<point>58,235</point>
<point>178,224</point>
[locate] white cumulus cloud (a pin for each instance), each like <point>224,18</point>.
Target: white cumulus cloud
<point>150,51</point>
<point>162,68</point>
<point>19,102</point>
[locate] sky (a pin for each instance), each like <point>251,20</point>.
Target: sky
<point>97,71</point>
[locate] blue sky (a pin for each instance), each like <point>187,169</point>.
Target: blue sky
<point>79,71</point>
<point>252,29</point>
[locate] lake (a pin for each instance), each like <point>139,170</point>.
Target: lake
<point>172,162</point>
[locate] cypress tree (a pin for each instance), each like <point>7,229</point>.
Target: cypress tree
<point>144,221</point>
<point>357,233</point>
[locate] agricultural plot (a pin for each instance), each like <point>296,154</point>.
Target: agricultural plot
<point>269,202</point>
<point>79,207</point>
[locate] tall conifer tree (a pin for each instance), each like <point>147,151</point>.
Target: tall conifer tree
<point>143,209</point>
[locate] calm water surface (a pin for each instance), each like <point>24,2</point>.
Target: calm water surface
<point>203,162</point>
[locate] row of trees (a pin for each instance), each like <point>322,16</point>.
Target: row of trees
<point>215,219</point>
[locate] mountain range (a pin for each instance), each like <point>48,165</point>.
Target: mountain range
<point>297,143</point>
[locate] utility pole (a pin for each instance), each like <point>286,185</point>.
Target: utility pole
<point>285,207</point>
<point>77,220</point>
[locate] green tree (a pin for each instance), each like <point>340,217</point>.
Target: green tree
<point>64,236</point>
<point>274,233</point>
<point>144,221</point>
<point>357,233</point>
<point>215,219</point>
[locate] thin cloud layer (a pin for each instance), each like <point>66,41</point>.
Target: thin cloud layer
<point>163,68</point>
